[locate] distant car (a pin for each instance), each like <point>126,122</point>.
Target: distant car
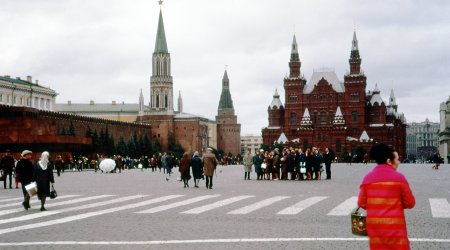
<point>406,161</point>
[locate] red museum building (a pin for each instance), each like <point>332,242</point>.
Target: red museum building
<point>326,112</point>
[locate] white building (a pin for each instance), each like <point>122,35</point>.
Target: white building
<point>444,130</point>
<point>25,93</point>
<point>421,139</point>
<point>252,142</point>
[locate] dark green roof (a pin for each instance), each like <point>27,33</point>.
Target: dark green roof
<point>161,44</point>
<point>225,98</point>
<point>19,81</point>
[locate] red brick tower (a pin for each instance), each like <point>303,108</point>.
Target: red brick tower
<point>228,130</point>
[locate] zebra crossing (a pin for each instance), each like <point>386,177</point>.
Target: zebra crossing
<point>69,208</point>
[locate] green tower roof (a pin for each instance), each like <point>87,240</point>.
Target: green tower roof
<point>225,98</point>
<point>161,44</point>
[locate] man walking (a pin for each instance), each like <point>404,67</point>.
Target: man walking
<point>7,165</point>
<point>24,172</point>
<point>209,166</point>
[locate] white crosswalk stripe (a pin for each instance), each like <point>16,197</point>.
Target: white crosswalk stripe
<point>440,208</point>
<point>86,215</point>
<point>11,199</point>
<point>345,208</point>
<point>300,206</point>
<point>258,205</point>
<point>70,209</point>
<point>178,204</point>
<point>61,203</point>
<point>218,204</point>
<point>33,201</point>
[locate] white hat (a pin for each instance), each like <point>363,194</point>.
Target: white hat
<point>25,152</point>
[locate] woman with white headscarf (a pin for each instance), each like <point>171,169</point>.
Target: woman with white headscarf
<point>43,175</point>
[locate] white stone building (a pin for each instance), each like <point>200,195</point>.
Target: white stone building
<point>421,139</point>
<point>444,130</point>
<point>252,142</point>
<point>25,93</point>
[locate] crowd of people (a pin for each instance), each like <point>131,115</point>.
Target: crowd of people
<point>290,164</point>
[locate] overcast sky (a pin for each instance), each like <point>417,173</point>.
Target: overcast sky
<point>101,50</point>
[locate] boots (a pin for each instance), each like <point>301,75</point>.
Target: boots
<point>43,203</point>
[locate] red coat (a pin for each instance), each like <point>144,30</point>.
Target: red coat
<point>184,168</point>
<point>385,193</point>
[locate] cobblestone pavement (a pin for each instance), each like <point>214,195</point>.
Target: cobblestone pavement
<point>151,210</point>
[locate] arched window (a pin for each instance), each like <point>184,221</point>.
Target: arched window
<point>293,118</point>
<point>354,116</point>
<point>338,145</point>
<point>165,101</point>
<point>157,101</point>
<point>323,117</point>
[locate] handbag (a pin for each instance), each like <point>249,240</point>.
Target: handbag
<point>263,166</point>
<point>358,220</point>
<point>302,170</point>
<point>31,189</point>
<point>1,175</point>
<point>53,193</point>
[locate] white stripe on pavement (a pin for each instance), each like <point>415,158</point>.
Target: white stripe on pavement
<point>218,204</point>
<point>345,208</point>
<point>440,208</point>
<point>31,202</point>
<point>86,215</point>
<point>258,205</point>
<point>300,206</point>
<point>11,199</point>
<point>199,241</point>
<point>177,204</point>
<point>4,212</point>
<point>70,209</point>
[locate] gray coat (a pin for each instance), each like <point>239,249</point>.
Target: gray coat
<point>248,162</point>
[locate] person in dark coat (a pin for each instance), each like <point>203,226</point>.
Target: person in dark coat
<point>43,176</point>
<point>59,165</point>
<point>24,174</point>
<point>7,165</point>
<point>185,169</point>
<point>197,168</point>
<point>327,159</point>
<point>317,163</point>
<point>309,164</point>
<point>257,161</point>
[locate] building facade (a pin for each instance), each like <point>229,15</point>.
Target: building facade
<point>25,93</point>
<point>126,112</point>
<point>444,130</point>
<point>252,142</point>
<point>422,140</point>
<point>328,112</point>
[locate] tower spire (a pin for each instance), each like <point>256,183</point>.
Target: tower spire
<point>161,44</point>
<point>161,82</point>
<point>225,97</point>
<point>180,103</point>
<point>294,64</point>
<point>141,104</point>
<point>355,59</point>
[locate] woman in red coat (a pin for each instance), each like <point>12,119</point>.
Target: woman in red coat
<point>385,193</point>
<point>184,169</point>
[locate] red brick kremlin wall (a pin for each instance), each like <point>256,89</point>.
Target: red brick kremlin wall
<point>37,130</point>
